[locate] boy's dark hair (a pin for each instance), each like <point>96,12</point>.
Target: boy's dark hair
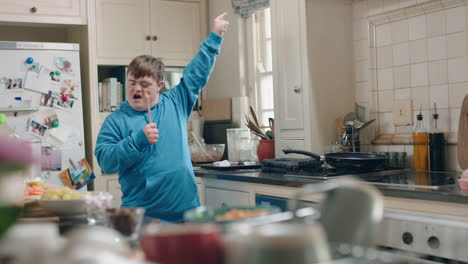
<point>147,65</point>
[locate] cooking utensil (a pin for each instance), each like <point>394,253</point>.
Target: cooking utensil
<point>351,211</point>
<point>200,144</point>
<point>351,116</point>
<point>254,116</point>
<point>360,111</point>
<point>463,135</point>
<point>271,122</point>
<point>364,125</point>
<point>347,160</point>
<point>255,129</point>
<point>148,105</point>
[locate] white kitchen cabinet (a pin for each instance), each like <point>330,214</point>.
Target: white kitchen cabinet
<point>288,53</point>
<point>44,11</point>
<point>312,71</point>
<point>167,29</point>
<point>223,197</point>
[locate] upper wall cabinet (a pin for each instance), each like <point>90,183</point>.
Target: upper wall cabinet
<point>44,11</point>
<point>128,28</point>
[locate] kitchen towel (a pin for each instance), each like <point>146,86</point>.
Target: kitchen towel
<point>248,7</point>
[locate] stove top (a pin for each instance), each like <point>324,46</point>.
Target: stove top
<point>397,178</point>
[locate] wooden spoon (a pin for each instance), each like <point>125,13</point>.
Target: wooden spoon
<point>148,105</point>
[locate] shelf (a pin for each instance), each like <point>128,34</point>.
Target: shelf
<point>19,109</point>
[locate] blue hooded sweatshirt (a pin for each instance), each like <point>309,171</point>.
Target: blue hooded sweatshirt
<point>158,177</point>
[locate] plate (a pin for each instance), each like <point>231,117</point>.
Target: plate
<point>64,207</point>
<point>207,214</point>
<point>235,167</point>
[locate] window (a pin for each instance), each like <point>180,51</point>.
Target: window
<point>261,66</point>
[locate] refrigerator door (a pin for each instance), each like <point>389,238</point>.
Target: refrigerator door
<point>42,82</point>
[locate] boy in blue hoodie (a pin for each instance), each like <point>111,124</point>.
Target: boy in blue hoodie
<point>152,156</point>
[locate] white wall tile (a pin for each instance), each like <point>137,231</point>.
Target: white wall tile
<point>380,148</point>
<point>363,92</point>
<point>386,123</point>
<point>436,24</point>
<point>383,35</point>
<point>439,94</point>
<point>454,119</point>
<point>360,29</point>
<point>375,7</point>
<point>443,122</point>
<point>385,101</point>
<point>402,94</point>
<point>406,3</point>
<point>384,57</point>
<point>396,148</point>
<point>456,19</point>
<point>391,5</point>
<point>401,54</point>
<point>401,77</point>
<point>457,70</point>
<point>419,74</point>
<point>417,27</point>
<point>457,45</point>
<point>361,71</point>
<point>420,96</point>
<point>385,79</point>
<point>400,31</point>
<point>437,48</point>
<point>438,72</point>
<point>418,51</point>
<point>404,129</point>
<point>457,92</point>
<point>451,160</point>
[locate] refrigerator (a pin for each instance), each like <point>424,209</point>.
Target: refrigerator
<point>41,95</point>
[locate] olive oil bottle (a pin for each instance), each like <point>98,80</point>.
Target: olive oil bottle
<point>420,144</point>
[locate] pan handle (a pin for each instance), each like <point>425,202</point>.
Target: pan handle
<point>306,153</point>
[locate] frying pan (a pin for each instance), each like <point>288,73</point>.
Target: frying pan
<point>347,160</point>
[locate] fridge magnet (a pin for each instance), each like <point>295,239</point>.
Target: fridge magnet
<point>51,159</point>
<point>37,128</point>
<point>63,64</point>
<point>32,67</point>
<point>81,174</point>
<point>48,118</point>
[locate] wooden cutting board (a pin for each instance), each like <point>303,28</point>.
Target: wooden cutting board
<point>463,136</point>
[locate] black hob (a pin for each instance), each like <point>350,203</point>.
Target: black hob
<point>396,178</point>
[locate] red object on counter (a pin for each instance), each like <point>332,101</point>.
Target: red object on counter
<point>182,244</point>
<point>64,97</point>
<point>266,149</point>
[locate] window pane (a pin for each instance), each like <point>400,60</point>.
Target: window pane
<point>267,23</point>
<point>268,56</point>
<point>264,117</point>
<point>266,92</point>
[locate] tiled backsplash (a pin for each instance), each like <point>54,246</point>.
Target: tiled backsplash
<point>416,50</point>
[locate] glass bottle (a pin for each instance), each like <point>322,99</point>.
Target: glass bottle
<point>436,145</point>
<point>420,144</point>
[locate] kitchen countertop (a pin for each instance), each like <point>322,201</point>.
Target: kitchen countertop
<point>450,193</point>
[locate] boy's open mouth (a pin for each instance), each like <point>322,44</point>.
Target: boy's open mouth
<point>137,96</point>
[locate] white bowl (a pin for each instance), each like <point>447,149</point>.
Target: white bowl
<point>64,207</point>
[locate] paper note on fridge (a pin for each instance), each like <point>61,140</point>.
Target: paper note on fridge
<point>40,82</point>
<point>58,136</point>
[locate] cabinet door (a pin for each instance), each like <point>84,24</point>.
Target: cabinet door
<point>122,29</point>
<point>175,29</point>
<point>44,11</point>
<point>221,197</point>
<point>287,67</point>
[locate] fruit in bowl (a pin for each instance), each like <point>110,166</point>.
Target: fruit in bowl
<point>206,153</point>
<point>64,202</point>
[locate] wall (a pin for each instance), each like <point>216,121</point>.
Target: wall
<point>229,75</point>
<point>421,56</point>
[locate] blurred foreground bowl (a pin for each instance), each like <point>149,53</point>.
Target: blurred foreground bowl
<point>64,207</point>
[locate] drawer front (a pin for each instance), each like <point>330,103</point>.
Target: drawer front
<point>221,197</point>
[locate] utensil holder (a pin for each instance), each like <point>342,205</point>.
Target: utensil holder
<point>266,149</point>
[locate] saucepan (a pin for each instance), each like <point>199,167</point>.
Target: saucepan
<point>347,160</point>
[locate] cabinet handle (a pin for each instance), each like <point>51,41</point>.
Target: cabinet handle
<point>297,89</point>
<point>148,37</point>
<point>33,9</point>
<point>155,38</point>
